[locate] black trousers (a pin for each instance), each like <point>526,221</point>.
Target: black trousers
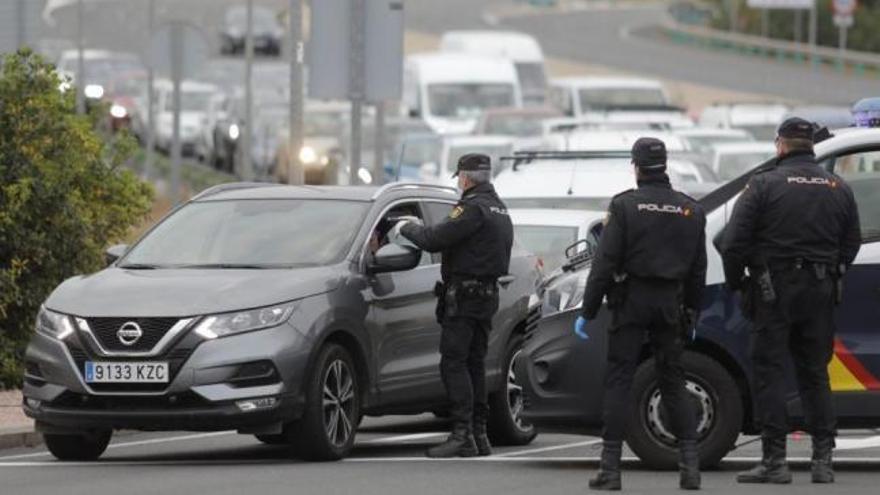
<point>799,324</point>
<point>463,346</point>
<point>649,312</point>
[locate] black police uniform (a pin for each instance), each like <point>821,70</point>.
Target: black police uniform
<point>793,227</point>
<point>651,264</point>
<point>476,241</point>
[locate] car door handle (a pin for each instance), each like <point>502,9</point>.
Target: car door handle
<point>506,280</point>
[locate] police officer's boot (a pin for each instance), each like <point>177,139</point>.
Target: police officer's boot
<point>688,465</point>
<point>481,436</point>
<point>773,468</point>
<point>459,444</point>
<point>821,467</point>
<point>608,477</point>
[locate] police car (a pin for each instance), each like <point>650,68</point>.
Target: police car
<point>563,376</point>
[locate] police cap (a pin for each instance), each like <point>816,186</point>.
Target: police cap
<point>473,162</point>
<point>795,128</point>
<point>649,154</point>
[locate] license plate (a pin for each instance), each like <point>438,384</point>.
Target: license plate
<point>124,372</point>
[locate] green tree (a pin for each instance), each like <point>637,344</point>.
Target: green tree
<point>64,197</point>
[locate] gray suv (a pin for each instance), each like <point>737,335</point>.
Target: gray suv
<point>277,311</point>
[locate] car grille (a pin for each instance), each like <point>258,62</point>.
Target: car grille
<point>176,359</point>
<point>153,330</point>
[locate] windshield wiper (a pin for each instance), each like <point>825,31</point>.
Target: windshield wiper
<point>139,266</point>
<point>228,266</point>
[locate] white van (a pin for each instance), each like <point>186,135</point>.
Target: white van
<point>449,91</point>
<point>521,49</point>
<point>578,96</point>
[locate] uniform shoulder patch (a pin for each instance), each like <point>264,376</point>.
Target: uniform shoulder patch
<point>456,212</point>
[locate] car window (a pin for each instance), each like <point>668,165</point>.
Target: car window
<point>379,235</point>
<point>561,98</point>
<point>436,212</point>
<point>861,170</point>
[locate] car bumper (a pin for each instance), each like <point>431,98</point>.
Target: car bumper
<point>562,376</point>
<point>204,394</point>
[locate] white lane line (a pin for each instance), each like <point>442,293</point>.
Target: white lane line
<point>402,438</point>
<point>135,444</point>
<point>267,462</point>
<point>549,449</point>
<point>857,443</point>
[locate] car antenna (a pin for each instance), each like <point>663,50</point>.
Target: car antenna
<point>573,165</point>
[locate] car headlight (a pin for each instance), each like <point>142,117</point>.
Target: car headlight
<point>118,111</point>
<point>567,292</point>
<point>234,132</point>
<point>222,325</point>
<point>94,91</point>
<point>54,324</point>
<point>308,155</point>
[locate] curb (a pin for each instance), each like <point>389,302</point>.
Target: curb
<point>24,436</point>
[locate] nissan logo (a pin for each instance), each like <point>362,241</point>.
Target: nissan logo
<point>129,333</point>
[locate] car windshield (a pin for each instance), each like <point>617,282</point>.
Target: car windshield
<point>531,76</point>
<point>547,242</point>
<point>190,101</point>
<point>514,125</point>
<point>621,97</point>
<point>561,203</point>
<point>321,124</point>
<point>264,233</point>
<point>467,100</point>
<point>731,166</point>
<point>704,144</point>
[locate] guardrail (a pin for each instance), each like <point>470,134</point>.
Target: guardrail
<point>859,63</point>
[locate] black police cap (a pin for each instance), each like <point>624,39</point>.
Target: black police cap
<point>473,162</point>
<point>649,153</point>
<point>796,128</point>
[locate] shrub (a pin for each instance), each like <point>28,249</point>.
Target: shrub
<point>64,197</point>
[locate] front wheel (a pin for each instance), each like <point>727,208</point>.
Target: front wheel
<point>87,446</point>
<point>719,411</point>
<point>506,424</point>
<point>327,429</point>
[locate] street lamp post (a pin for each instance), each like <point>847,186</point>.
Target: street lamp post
<point>295,135</point>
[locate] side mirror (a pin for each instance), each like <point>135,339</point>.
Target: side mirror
<point>394,258</point>
<point>114,252</point>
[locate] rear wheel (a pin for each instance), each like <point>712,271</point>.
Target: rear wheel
<point>719,410</point>
<point>87,446</point>
<point>327,429</point>
<point>506,424</point>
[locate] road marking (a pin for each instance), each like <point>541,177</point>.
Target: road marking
<point>135,443</point>
<point>857,443</point>
<point>402,438</point>
<point>549,449</point>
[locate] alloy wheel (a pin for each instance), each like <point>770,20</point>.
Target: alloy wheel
<point>338,402</point>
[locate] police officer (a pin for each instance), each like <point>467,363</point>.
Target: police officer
<point>796,229</point>
<point>651,265</point>
<point>475,241</point>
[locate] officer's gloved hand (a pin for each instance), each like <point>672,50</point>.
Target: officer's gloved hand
<point>396,237</point>
<point>409,218</point>
<point>580,328</point>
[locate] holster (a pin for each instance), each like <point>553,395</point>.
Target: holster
<point>617,293</point>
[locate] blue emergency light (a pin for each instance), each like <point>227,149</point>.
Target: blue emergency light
<point>866,112</point>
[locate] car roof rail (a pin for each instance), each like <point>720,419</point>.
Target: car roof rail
<point>521,157</point>
<point>230,186</point>
<point>391,186</point>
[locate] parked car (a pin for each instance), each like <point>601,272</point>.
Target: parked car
<point>449,90</point>
<point>518,122</point>
<point>562,376</point>
<point>267,31</point>
<point>759,119</point>
<point>703,139</point>
<point>832,117</point>
<point>225,316</point>
<point>520,48</point>
<point>548,233</point>
<point>433,158</point>
<point>100,67</point>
